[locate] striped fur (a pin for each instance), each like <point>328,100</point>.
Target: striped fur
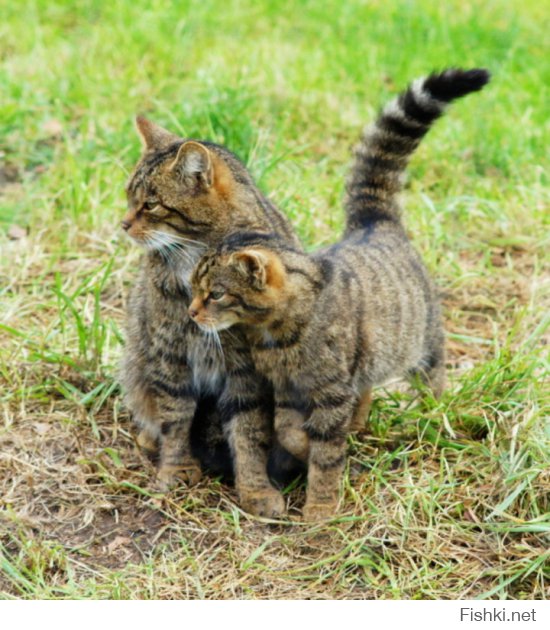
<point>386,147</point>
<point>326,328</point>
<point>184,387</point>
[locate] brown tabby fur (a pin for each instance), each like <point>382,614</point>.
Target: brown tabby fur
<point>188,392</point>
<point>326,328</point>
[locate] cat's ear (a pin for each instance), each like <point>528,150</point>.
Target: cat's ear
<point>193,161</point>
<point>153,136</point>
<point>253,265</point>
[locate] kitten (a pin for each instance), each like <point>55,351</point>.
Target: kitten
<point>326,328</point>
<point>185,388</point>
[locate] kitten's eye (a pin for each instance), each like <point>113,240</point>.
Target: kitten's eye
<point>216,295</point>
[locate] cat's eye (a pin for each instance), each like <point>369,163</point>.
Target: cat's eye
<point>216,295</point>
<point>150,206</point>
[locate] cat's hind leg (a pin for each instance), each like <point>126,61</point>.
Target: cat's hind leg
<point>431,370</point>
<point>362,410</point>
<point>435,379</point>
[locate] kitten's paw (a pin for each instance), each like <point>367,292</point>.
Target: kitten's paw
<point>267,502</point>
<point>314,512</point>
<point>170,476</point>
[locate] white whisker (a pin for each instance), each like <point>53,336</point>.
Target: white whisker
<point>191,243</point>
<point>175,250</point>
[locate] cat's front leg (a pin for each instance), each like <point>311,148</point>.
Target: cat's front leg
<point>148,442</point>
<point>132,375</point>
<point>327,428</point>
<point>143,409</point>
<point>246,407</point>
<point>289,427</point>
<point>176,406</point>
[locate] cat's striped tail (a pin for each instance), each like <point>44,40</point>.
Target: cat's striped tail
<point>386,147</point>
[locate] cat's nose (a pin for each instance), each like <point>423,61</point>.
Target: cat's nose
<point>193,312</point>
<point>125,225</point>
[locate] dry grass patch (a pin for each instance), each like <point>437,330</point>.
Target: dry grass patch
<point>440,500</point>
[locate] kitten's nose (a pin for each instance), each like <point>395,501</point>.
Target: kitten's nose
<point>125,225</point>
<point>193,312</point>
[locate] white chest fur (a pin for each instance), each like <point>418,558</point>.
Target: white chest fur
<point>207,363</point>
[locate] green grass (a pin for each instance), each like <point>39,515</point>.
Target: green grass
<point>441,499</point>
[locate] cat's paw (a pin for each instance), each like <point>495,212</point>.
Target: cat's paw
<point>147,443</point>
<point>170,476</point>
<point>266,502</point>
<point>296,442</point>
<point>314,512</point>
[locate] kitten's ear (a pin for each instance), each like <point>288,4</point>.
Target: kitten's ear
<point>253,265</point>
<point>194,161</point>
<point>153,136</point>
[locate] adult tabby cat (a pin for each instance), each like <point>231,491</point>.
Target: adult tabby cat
<point>325,328</point>
<point>188,396</point>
